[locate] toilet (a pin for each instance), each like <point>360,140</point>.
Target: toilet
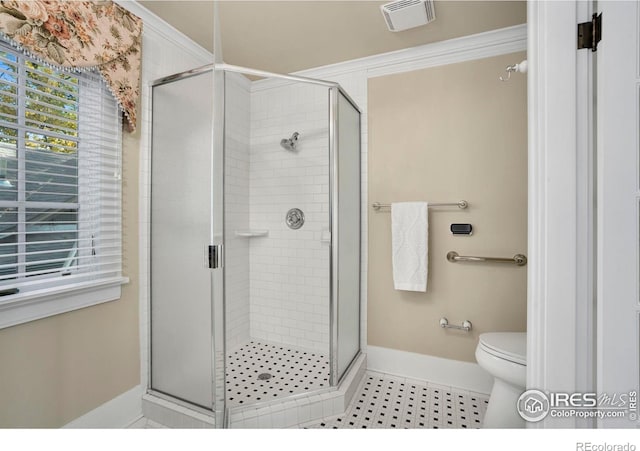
<point>503,355</point>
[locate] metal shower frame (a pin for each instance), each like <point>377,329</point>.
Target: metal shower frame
<point>218,235</point>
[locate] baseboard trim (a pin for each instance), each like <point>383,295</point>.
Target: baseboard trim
<point>117,413</point>
<point>463,375</point>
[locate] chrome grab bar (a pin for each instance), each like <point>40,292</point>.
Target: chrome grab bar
<point>517,259</point>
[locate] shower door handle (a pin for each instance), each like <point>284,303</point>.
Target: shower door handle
<point>215,253</point>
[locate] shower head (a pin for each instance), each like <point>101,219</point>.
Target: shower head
<point>290,143</point>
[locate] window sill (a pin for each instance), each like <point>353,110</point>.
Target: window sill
<point>34,305</point>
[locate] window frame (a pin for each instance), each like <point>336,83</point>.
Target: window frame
<point>49,296</point>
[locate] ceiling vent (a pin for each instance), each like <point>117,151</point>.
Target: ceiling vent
<point>405,14</point>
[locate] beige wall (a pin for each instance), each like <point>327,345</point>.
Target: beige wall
<point>444,134</point>
<point>59,368</point>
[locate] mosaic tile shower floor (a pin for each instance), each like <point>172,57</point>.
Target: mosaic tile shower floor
<point>291,372</point>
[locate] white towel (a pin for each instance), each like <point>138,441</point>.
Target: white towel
<point>409,237</point>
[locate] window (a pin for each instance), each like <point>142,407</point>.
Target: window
<point>60,189</point>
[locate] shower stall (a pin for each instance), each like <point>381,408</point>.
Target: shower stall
<point>255,238</point>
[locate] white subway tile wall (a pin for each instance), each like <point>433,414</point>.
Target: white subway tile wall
<point>289,269</point>
<point>278,285</point>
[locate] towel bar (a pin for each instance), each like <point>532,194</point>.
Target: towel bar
<point>517,259</point>
<point>462,205</point>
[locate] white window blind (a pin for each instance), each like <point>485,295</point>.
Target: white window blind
<point>60,188</point>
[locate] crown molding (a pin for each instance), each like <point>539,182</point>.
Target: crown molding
<point>171,34</point>
<point>466,48</point>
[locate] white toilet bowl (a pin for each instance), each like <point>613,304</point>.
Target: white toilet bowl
<point>503,355</point>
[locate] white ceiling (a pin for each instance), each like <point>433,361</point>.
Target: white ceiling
<point>288,36</point>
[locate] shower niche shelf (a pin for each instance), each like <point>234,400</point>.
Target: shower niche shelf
<point>251,233</point>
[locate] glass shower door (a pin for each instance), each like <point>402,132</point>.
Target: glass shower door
<point>183,200</point>
<point>346,232</point>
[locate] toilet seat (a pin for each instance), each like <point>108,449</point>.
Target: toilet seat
<point>510,346</point>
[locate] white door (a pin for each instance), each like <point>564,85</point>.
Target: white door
<point>618,205</point>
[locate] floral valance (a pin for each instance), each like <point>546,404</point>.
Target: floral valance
<point>81,35</point>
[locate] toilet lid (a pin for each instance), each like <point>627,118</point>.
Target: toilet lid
<point>511,346</point>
